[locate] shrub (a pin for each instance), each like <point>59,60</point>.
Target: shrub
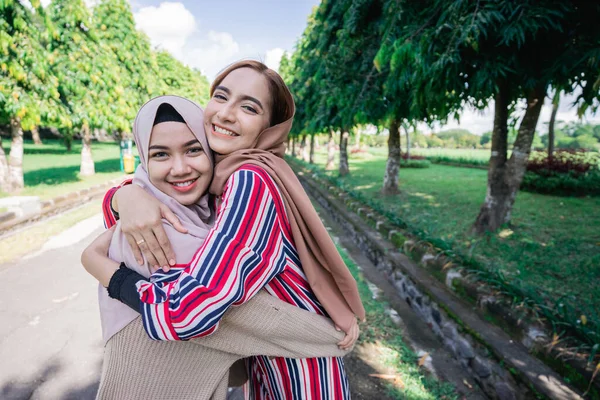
<point>563,184</point>
<point>413,157</point>
<point>412,163</point>
<point>574,162</point>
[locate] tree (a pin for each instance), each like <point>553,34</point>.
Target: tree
<point>555,102</point>
<point>180,80</point>
<point>134,58</point>
<point>90,80</point>
<point>510,51</point>
<point>28,92</point>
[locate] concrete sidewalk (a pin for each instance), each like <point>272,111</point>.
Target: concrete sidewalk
<point>50,336</point>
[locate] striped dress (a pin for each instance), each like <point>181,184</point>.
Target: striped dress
<point>249,248</point>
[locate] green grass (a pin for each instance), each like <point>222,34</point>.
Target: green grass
<point>50,170</point>
<point>552,245</point>
<point>380,331</point>
<point>481,155</point>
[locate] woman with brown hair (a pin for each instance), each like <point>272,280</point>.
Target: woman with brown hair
<point>266,235</point>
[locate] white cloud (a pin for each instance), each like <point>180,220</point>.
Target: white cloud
<point>273,58</point>
<point>212,53</point>
<point>168,26</point>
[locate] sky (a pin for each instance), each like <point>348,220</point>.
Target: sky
<point>210,34</point>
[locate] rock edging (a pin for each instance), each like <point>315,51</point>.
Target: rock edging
<point>10,220</point>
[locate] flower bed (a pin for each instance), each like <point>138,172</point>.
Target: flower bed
<point>567,173</point>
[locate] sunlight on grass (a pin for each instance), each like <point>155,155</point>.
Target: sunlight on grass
<point>380,335</point>
<point>553,244</point>
<point>50,170</point>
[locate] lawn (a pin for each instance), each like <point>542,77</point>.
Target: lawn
<point>552,244</point>
<point>50,170</point>
<point>482,155</point>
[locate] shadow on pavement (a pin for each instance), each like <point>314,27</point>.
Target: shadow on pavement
<point>17,388</point>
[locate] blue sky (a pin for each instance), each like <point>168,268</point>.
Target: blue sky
<point>211,34</point>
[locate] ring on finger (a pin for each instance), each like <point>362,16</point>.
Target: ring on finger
<point>140,241</point>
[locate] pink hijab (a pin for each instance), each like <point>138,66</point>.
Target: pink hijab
<point>198,218</point>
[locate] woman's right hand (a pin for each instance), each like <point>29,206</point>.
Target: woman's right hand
<point>141,221</point>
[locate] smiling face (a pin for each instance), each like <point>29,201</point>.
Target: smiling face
<point>239,110</point>
<point>177,164</point>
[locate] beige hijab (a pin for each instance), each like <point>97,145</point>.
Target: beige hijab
<point>327,274</point>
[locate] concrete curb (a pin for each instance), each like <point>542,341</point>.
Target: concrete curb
<point>10,220</point>
<point>444,308</point>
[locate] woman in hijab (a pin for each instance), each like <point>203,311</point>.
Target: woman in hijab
<point>266,235</point>
<point>176,168</point>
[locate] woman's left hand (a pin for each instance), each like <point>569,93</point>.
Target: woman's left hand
<point>351,336</point>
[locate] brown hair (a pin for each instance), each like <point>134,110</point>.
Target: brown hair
<point>282,102</point>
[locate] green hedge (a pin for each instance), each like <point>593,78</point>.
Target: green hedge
<point>415,163</point>
<point>569,184</point>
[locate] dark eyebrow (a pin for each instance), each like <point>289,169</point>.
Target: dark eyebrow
<point>191,143</point>
<point>159,147</point>
<point>244,97</point>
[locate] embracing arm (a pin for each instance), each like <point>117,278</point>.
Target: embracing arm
<point>141,216</point>
<point>242,253</point>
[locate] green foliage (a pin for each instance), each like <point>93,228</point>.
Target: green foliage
<point>415,163</point>
<point>62,67</point>
<point>89,77</point>
<point>180,80</point>
<point>28,91</point>
<point>115,27</point>
<point>569,184</point>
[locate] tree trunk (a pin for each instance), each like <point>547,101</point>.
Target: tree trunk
<point>555,102</point>
<point>357,139</point>
<point>344,169</point>
<point>505,177</point>
<point>303,149</point>
<point>35,134</point>
<point>15,159</point>
<point>287,147</point>
<point>392,167</point>
<point>330,152</point>
<point>408,141</point>
<point>87,162</point>
<point>311,156</point>
<point>68,142</point>
<point>4,186</point>
<point>294,147</point>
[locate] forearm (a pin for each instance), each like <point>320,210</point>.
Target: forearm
<point>268,326</point>
<point>99,266</point>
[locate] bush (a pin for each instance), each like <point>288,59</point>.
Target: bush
<point>565,184</point>
<point>413,157</point>
<point>576,162</point>
<point>568,173</point>
<point>412,163</point>
<point>472,162</point>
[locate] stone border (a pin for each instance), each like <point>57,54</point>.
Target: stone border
<point>10,220</point>
<point>501,366</point>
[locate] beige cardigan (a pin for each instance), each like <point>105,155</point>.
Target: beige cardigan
<point>136,367</point>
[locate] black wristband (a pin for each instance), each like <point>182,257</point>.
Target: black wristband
<point>122,287</point>
<point>116,281</point>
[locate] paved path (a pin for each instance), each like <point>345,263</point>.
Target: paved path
<point>50,337</point>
